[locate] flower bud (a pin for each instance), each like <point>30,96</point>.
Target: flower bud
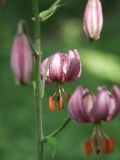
<point>93,19</point>
<point>21,59</point>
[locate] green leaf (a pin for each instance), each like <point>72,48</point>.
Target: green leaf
<point>58,127</point>
<point>53,143</point>
<point>41,15</point>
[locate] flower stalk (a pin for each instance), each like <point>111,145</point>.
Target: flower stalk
<point>38,81</point>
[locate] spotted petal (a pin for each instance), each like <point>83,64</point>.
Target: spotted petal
<point>56,67</point>
<point>73,69</point>
<point>42,70</point>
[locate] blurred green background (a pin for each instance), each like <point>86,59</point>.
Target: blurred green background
<point>100,64</point>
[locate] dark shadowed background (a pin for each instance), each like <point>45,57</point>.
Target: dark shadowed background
<point>101,66</point>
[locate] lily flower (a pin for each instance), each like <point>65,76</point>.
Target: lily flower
<point>84,107</point>
<point>62,68</point>
<point>93,19</point>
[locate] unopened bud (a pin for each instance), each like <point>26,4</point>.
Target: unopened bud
<point>21,59</point>
<point>93,19</point>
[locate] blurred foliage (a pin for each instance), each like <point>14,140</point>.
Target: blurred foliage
<point>100,64</point>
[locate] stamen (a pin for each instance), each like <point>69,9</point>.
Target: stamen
<point>68,97</point>
<point>51,103</point>
<point>63,89</point>
<point>105,145</point>
<point>86,148</point>
<point>60,102</point>
<point>111,145</point>
<point>91,146</point>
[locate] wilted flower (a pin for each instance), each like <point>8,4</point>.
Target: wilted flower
<point>62,68</point>
<point>85,107</point>
<point>21,59</point>
<point>93,19</point>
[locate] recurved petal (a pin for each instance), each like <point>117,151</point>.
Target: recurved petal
<point>116,92</point>
<point>73,69</point>
<point>100,110</point>
<point>75,106</point>
<point>113,109</point>
<point>56,67</point>
<point>42,70</point>
<point>88,101</point>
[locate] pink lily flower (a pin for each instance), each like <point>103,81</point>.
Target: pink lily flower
<point>90,108</point>
<point>62,68</point>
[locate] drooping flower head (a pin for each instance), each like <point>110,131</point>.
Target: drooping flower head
<point>85,107</point>
<point>93,19</point>
<point>63,68</point>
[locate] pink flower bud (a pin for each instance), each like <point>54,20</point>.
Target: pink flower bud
<point>21,59</point>
<point>93,19</point>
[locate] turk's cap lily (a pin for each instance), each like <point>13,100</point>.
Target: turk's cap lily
<point>93,19</point>
<point>84,107</point>
<point>21,59</point>
<point>63,67</point>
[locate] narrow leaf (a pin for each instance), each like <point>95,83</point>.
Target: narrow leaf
<point>44,15</point>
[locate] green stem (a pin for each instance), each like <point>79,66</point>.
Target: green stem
<point>58,130</point>
<point>38,81</point>
<point>22,27</point>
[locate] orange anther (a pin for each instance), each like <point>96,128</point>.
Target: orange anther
<point>68,97</point>
<point>104,145</point>
<point>111,145</point>
<point>60,102</point>
<point>86,148</point>
<point>91,146</point>
<point>51,103</point>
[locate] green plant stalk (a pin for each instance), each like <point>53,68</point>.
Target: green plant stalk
<point>38,81</point>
